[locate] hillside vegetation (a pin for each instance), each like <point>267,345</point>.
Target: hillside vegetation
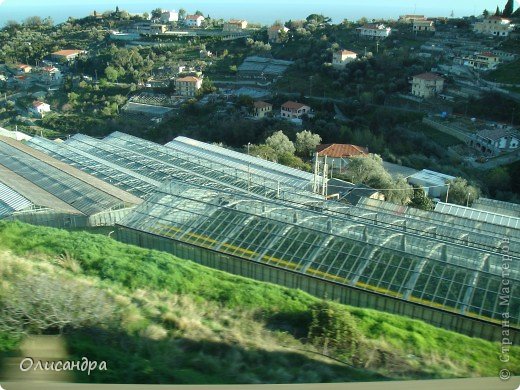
<point>158,319</point>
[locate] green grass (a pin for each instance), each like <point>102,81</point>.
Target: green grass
<point>507,74</point>
<point>437,136</point>
<point>185,323</point>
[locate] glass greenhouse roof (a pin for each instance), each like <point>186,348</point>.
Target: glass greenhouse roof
<point>61,183</point>
<point>478,215</point>
<point>335,247</point>
<point>11,201</point>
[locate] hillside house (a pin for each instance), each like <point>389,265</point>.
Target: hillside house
<point>483,61</point>
<point>194,20</point>
<point>234,25</point>
<point>294,110</point>
<point>169,16</point>
<point>426,85</point>
<point>51,75</point>
<point>274,32</point>
<point>188,86</point>
<point>374,31</point>
<point>262,109</point>
<point>21,68</point>
<point>423,26</point>
<point>409,19</point>
<point>494,141</point>
<point>494,25</point>
<point>338,155</point>
<point>39,109</point>
<point>66,55</point>
<point>342,57</point>
<point>158,28</point>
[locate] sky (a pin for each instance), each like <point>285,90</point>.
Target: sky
<point>262,11</point>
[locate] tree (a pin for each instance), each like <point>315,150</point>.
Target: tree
<point>293,161</point>
<point>306,142</point>
<point>182,13</point>
<point>509,8</point>
<point>334,331</point>
<point>497,12</point>
<point>263,151</point>
<point>280,143</point>
<point>516,14</point>
<point>420,200</point>
<point>33,21</point>
<point>461,192</point>
<point>485,13</point>
<point>156,13</point>
<point>199,13</point>
<point>111,73</point>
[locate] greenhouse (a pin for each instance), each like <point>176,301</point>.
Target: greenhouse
<point>12,201</point>
<point>335,247</point>
<point>124,161</point>
<point>49,183</point>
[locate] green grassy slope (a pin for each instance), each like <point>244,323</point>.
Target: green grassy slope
<point>507,74</point>
<point>179,322</point>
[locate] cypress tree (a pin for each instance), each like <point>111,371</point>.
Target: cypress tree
<point>509,8</point>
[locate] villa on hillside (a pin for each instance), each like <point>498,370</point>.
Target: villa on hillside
<point>374,31</point>
<point>294,110</point>
<point>341,58</point>
<point>426,85</point>
<point>262,109</point>
<point>495,26</point>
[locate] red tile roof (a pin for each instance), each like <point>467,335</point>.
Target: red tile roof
<point>290,105</point>
<point>260,104</point>
<point>341,150</point>
<point>66,53</point>
<point>428,76</point>
<point>191,79</point>
<point>194,17</point>
<point>346,52</point>
<point>37,103</point>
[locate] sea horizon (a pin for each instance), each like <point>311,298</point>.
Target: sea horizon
<point>266,13</point>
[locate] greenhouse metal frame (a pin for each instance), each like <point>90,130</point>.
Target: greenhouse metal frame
<point>409,267</point>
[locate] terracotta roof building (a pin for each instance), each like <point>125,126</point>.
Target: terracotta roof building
<point>338,155</point>
<point>426,85</point>
<point>261,109</point>
<point>67,55</point>
<point>294,110</point>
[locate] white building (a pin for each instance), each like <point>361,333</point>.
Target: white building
<point>194,20</point>
<point>426,85</point>
<point>483,61</point>
<point>188,86</point>
<point>495,141</point>
<point>273,32</point>
<point>39,109</point>
<point>423,26</point>
<point>234,25</point>
<point>374,31</point>
<point>294,110</point>
<point>342,57</point>
<point>169,16</point>
<point>494,25</point>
